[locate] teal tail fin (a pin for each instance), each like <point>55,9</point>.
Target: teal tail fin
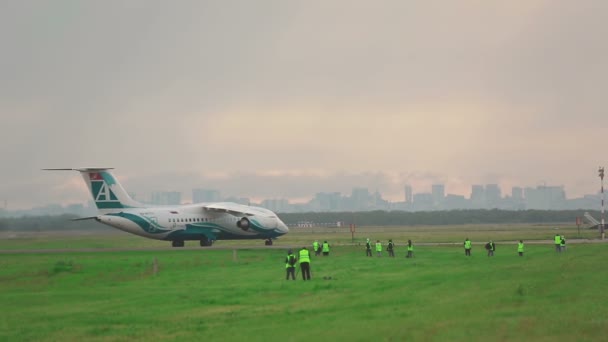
<point>107,192</point>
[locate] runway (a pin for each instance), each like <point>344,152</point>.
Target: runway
<point>259,246</point>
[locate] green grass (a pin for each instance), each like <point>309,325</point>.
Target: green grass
<point>205,295</point>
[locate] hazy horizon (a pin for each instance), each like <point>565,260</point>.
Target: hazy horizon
<point>275,99</point>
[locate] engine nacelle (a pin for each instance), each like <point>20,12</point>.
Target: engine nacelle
<point>243,223</point>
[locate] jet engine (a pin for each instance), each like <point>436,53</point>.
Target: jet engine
<point>243,224</point>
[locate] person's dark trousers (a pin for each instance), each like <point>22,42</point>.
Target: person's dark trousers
<point>391,253</point>
<point>325,253</point>
<point>318,252</point>
<point>291,271</point>
<point>368,252</point>
<point>467,252</point>
<point>305,267</point>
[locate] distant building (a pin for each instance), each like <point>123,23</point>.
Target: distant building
<point>277,205</point>
<point>408,194</point>
<point>205,195</point>
<point>166,198</point>
<point>478,197</point>
<point>438,192</point>
<point>360,199</point>
<point>545,197</point>
<point>492,196</point>
<point>423,201</point>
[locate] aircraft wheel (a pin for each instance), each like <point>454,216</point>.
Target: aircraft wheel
<point>206,243</point>
<point>177,243</point>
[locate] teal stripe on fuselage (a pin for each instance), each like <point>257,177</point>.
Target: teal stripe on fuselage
<point>145,224</point>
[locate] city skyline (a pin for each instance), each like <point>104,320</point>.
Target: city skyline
<point>482,196</point>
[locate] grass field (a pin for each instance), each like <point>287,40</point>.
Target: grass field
<point>205,294</point>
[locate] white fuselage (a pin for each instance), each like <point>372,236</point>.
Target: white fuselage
<point>191,222</point>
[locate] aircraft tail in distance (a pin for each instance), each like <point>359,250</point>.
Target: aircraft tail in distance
<point>107,192</point>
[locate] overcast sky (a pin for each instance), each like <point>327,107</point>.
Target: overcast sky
<point>284,99</point>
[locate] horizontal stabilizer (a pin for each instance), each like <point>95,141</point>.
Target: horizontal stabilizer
<point>85,218</point>
<point>85,169</point>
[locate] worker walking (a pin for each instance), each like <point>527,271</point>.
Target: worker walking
<point>305,263</point>
<point>390,248</point>
<point>368,248</point>
<point>290,265</point>
<point>316,247</point>
<point>410,249</point>
<point>467,247</point>
<point>520,248</point>
<point>378,248</point>
<point>558,243</point>
<point>325,248</point>
<point>562,243</point>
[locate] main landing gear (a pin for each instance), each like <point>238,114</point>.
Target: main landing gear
<point>206,243</point>
<point>268,242</point>
<point>177,243</point>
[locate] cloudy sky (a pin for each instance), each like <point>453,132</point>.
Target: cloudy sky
<point>284,99</point>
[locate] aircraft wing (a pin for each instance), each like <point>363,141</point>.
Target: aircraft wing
<point>231,208</point>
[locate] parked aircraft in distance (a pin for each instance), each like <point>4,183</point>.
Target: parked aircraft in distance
<point>205,222</point>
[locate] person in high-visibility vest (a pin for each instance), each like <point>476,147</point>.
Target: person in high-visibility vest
<point>368,248</point>
<point>378,248</point>
<point>491,247</point>
<point>290,265</point>
<point>410,249</point>
<point>325,248</point>
<point>316,247</point>
<point>467,247</point>
<point>558,243</point>
<point>390,248</point>
<point>520,248</point>
<point>305,263</point>
<point>562,243</point>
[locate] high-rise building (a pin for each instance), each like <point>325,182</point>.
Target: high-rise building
<point>438,192</point>
<point>360,198</point>
<point>478,196</point>
<point>205,195</point>
<point>517,193</point>
<point>408,194</point>
<point>493,196</point>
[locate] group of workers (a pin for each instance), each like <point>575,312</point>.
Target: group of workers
<point>390,248</point>
<point>304,255</point>
<point>304,259</point>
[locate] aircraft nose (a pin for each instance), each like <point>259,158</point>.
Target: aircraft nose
<point>283,227</point>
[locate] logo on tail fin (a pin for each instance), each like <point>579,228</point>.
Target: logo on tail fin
<point>102,193</point>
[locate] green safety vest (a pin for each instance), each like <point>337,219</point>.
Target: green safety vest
<point>378,247</point>
<point>467,244</point>
<point>325,247</point>
<point>315,246</point>
<point>558,240</point>
<point>520,247</point>
<point>492,246</point>
<point>287,265</point>
<point>304,256</point>
<point>562,242</point>
<point>410,247</point>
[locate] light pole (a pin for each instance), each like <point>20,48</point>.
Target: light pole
<point>601,174</point>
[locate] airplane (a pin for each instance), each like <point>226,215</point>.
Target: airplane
<point>205,222</point>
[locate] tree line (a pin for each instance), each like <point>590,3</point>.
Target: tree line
<point>360,218</point>
<point>406,218</point>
